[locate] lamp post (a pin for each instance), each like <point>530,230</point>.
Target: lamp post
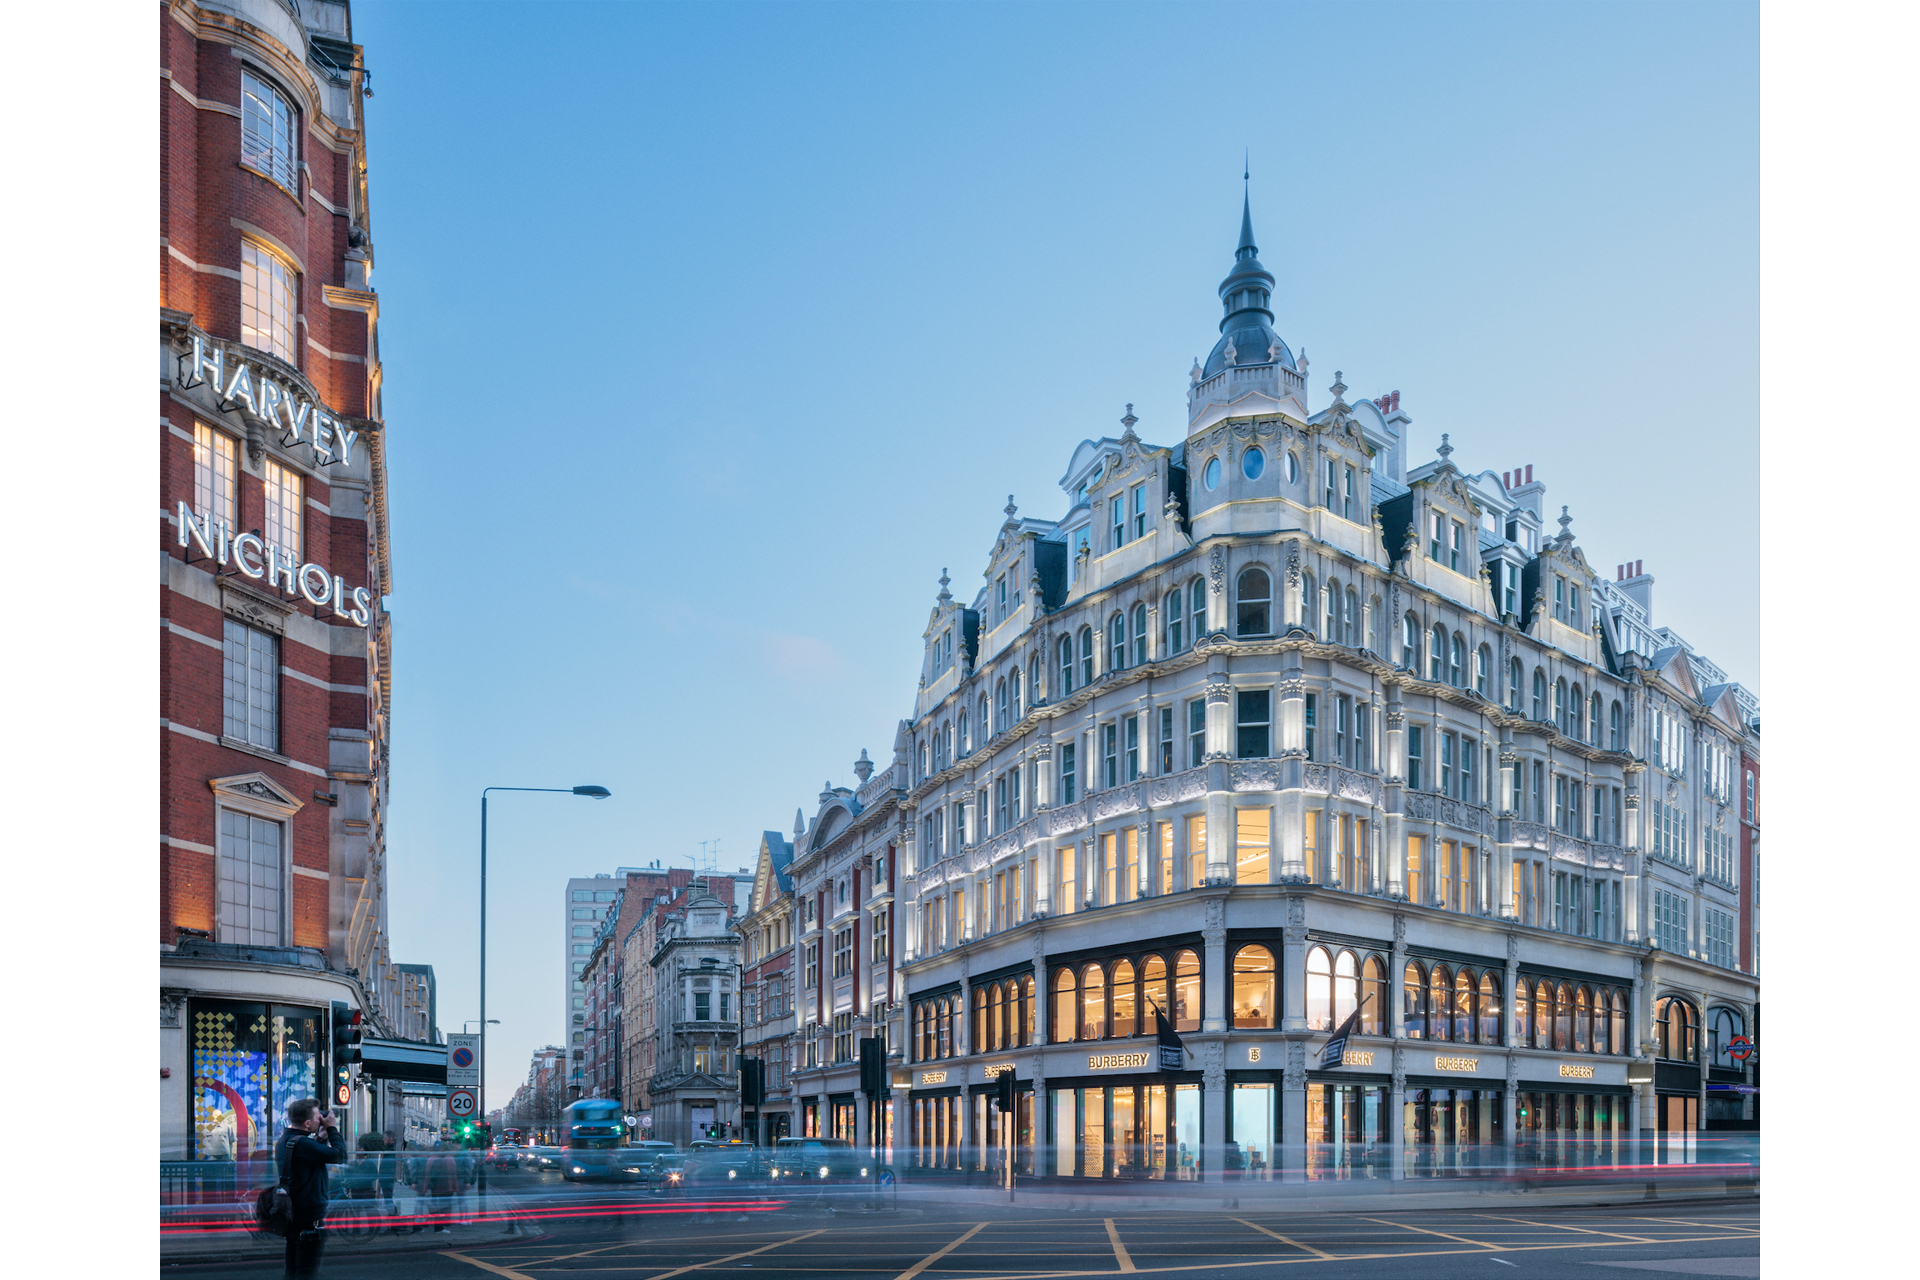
<point>595,793</point>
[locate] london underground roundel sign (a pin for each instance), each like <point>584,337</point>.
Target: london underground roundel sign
<point>1739,1048</point>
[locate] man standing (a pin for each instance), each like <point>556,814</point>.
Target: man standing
<point>304,1151</point>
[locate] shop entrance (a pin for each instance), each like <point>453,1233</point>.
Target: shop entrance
<point>1677,1117</point>
<point>1345,1134</point>
<point>1125,1131</point>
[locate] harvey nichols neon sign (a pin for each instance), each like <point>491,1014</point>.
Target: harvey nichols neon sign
<point>303,421</point>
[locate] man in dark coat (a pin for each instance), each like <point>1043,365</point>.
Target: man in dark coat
<point>304,1151</point>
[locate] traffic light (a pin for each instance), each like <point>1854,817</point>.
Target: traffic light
<point>873,1067</point>
<point>346,1034</point>
<point>1006,1091</point>
<point>753,1082</point>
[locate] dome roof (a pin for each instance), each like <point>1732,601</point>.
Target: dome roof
<point>1251,341</point>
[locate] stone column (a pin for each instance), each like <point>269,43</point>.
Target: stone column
<point>1503,826</point>
<point>1636,928</point>
<point>1640,1034</point>
<point>1396,1119</point>
<point>1293,967</point>
<point>1213,1109</point>
<point>1510,1037</point>
<point>1293,1113</point>
<point>1216,590</point>
<point>1394,766</point>
<point>1213,970</point>
<point>1396,980</point>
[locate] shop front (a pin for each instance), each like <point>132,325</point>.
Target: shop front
<point>989,1127</point>
<point>1558,1128</point>
<point>1144,1127</point>
<point>1347,1133</point>
<point>937,1124</point>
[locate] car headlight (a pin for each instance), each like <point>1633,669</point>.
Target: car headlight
<point>863,1173</point>
<point>730,1173</point>
<point>823,1171</point>
<point>776,1173</point>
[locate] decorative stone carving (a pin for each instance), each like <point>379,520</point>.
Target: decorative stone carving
<point>1513,946</point>
<point>1293,564</point>
<point>172,1006</point>
<point>1219,693</point>
<point>1254,775</point>
<point>1297,911</point>
<point>1217,571</point>
<point>1214,920</point>
<point>1295,1076</point>
<point>1399,929</point>
<point>1399,1070</point>
<point>1213,1065</point>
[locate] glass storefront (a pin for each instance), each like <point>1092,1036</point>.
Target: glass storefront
<point>843,1119</point>
<point>992,1143</point>
<point>249,1061</point>
<point>1125,1131</point>
<point>1346,1137</point>
<point>937,1131</point>
<point>1572,1130</point>
<point>1253,1122</point>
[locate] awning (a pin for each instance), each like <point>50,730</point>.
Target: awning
<point>403,1060</point>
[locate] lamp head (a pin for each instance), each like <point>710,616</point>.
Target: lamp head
<point>598,793</point>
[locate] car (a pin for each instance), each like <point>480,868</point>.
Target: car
<point>541,1159</point>
<point>634,1162</point>
<point>726,1166</point>
<point>668,1171</point>
<point>819,1160</point>
<point>504,1156</point>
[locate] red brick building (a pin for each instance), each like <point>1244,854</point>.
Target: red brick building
<point>275,645</point>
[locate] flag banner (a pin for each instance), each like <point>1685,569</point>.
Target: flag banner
<point>1173,1054</point>
<point>1337,1047</point>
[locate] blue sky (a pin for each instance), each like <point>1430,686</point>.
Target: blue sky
<point>712,333</point>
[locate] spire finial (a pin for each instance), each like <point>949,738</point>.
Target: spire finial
<point>1565,521</point>
<point>1128,422</point>
<point>1339,388</point>
<point>945,595</point>
<point>1445,450</point>
<point>1010,509</point>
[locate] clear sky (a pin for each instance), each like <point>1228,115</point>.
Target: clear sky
<point>712,333</point>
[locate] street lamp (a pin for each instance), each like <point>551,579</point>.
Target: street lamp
<point>591,792</point>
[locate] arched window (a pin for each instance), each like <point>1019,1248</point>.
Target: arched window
<point>1330,632</point>
<point>1319,990</point>
<point>1513,685</point>
<point>1457,663</point>
<point>1013,693</point>
<point>1563,1018</point>
<point>986,727</point>
<point>997,1037</point>
<point>1373,997</point>
<point>946,1026</point>
<point>1437,655</point>
<point>1065,654</point>
<point>1543,1015</point>
<point>1614,739</point>
<point>1350,624</point>
<point>1140,635</point>
<point>1153,992</point>
<point>1560,705</point>
<point>980,1031</point>
<point>1413,1001</point>
<point>1254,591</point>
<point>1308,599</point>
<point>1093,1003</point>
<point>1539,694</point>
<point>920,1051</point>
<point>1000,705</point>
<point>1464,990</point>
<point>1522,1014</point>
<point>1086,655</point>
<point>1117,641</point>
<point>1617,1033</point>
<point>1410,643</point>
<point>1024,1024</point>
<point>1173,617</point>
<point>966,740</point>
<point>1482,671</point>
<point>1439,1003</point>
<point>1252,988</point>
<point>1593,720</point>
<point>1575,705</point>
<point>1126,1001</point>
<point>1346,988</point>
<point>1186,992</point>
<point>1582,1020</point>
<point>924,770</point>
<point>1066,1005</point>
<point>1676,1029</point>
<point>1197,593</point>
<point>1489,1009</point>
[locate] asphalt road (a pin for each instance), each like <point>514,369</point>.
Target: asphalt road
<point>961,1242</point>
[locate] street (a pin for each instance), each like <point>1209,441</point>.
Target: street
<point>591,1232</point>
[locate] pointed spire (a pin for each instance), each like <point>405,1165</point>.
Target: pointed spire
<point>799,822</point>
<point>1247,248</point>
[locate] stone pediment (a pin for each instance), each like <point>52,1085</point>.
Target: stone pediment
<point>1672,665</point>
<point>256,793</point>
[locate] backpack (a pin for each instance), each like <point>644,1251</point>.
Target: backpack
<point>273,1209</point>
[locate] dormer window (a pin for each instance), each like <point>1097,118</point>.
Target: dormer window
<point>1347,504</point>
<point>1559,598</point>
<point>1333,489</point>
<point>1117,509</point>
<point>1001,615</point>
<point>1573,605</point>
<point>1457,555</point>
<point>1437,539</point>
<point>1140,511</point>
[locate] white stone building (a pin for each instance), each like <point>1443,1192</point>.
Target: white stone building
<point>696,976</point>
<point>1271,725</point>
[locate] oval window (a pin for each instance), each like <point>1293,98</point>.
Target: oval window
<point>1212,474</point>
<point>1293,469</point>
<point>1253,462</point>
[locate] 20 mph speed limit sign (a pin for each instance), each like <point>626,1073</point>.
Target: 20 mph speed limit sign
<point>460,1103</point>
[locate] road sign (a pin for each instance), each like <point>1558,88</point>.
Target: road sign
<point>1739,1048</point>
<point>463,1062</point>
<point>460,1103</point>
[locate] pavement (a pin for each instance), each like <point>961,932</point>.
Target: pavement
<point>931,1232</point>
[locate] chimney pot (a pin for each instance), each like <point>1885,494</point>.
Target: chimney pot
<point>1529,473</point>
